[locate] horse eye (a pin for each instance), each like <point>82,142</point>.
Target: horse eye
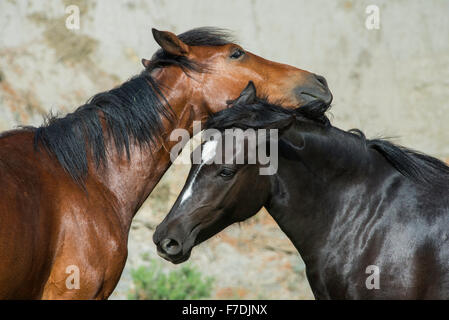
<point>237,54</point>
<point>226,173</point>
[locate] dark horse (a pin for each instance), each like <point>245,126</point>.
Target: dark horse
<point>369,218</point>
<point>70,188</point>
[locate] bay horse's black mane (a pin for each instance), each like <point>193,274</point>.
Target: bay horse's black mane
<point>420,167</point>
<point>133,111</point>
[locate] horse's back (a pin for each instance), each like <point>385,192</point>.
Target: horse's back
<point>48,223</point>
<point>24,230</point>
<point>412,244</point>
<point>394,245</point>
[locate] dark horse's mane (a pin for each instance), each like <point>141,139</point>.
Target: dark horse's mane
<point>133,111</point>
<point>261,114</point>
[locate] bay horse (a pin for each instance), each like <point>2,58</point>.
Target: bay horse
<point>70,188</point>
<point>369,218</point>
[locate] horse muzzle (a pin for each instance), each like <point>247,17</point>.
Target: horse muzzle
<point>171,251</point>
<point>169,244</point>
<point>315,88</point>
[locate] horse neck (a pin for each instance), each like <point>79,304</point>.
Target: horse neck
<point>132,180</point>
<point>318,191</point>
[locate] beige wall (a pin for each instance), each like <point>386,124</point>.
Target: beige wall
<point>393,81</point>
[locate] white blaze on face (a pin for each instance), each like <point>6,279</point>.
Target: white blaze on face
<point>208,153</point>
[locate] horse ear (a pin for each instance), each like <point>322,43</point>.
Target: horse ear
<point>247,96</point>
<point>170,43</point>
<point>146,63</point>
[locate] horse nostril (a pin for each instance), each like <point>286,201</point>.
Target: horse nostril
<point>171,246</point>
<point>321,80</point>
<point>315,88</point>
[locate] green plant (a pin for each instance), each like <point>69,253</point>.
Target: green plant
<point>152,283</point>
